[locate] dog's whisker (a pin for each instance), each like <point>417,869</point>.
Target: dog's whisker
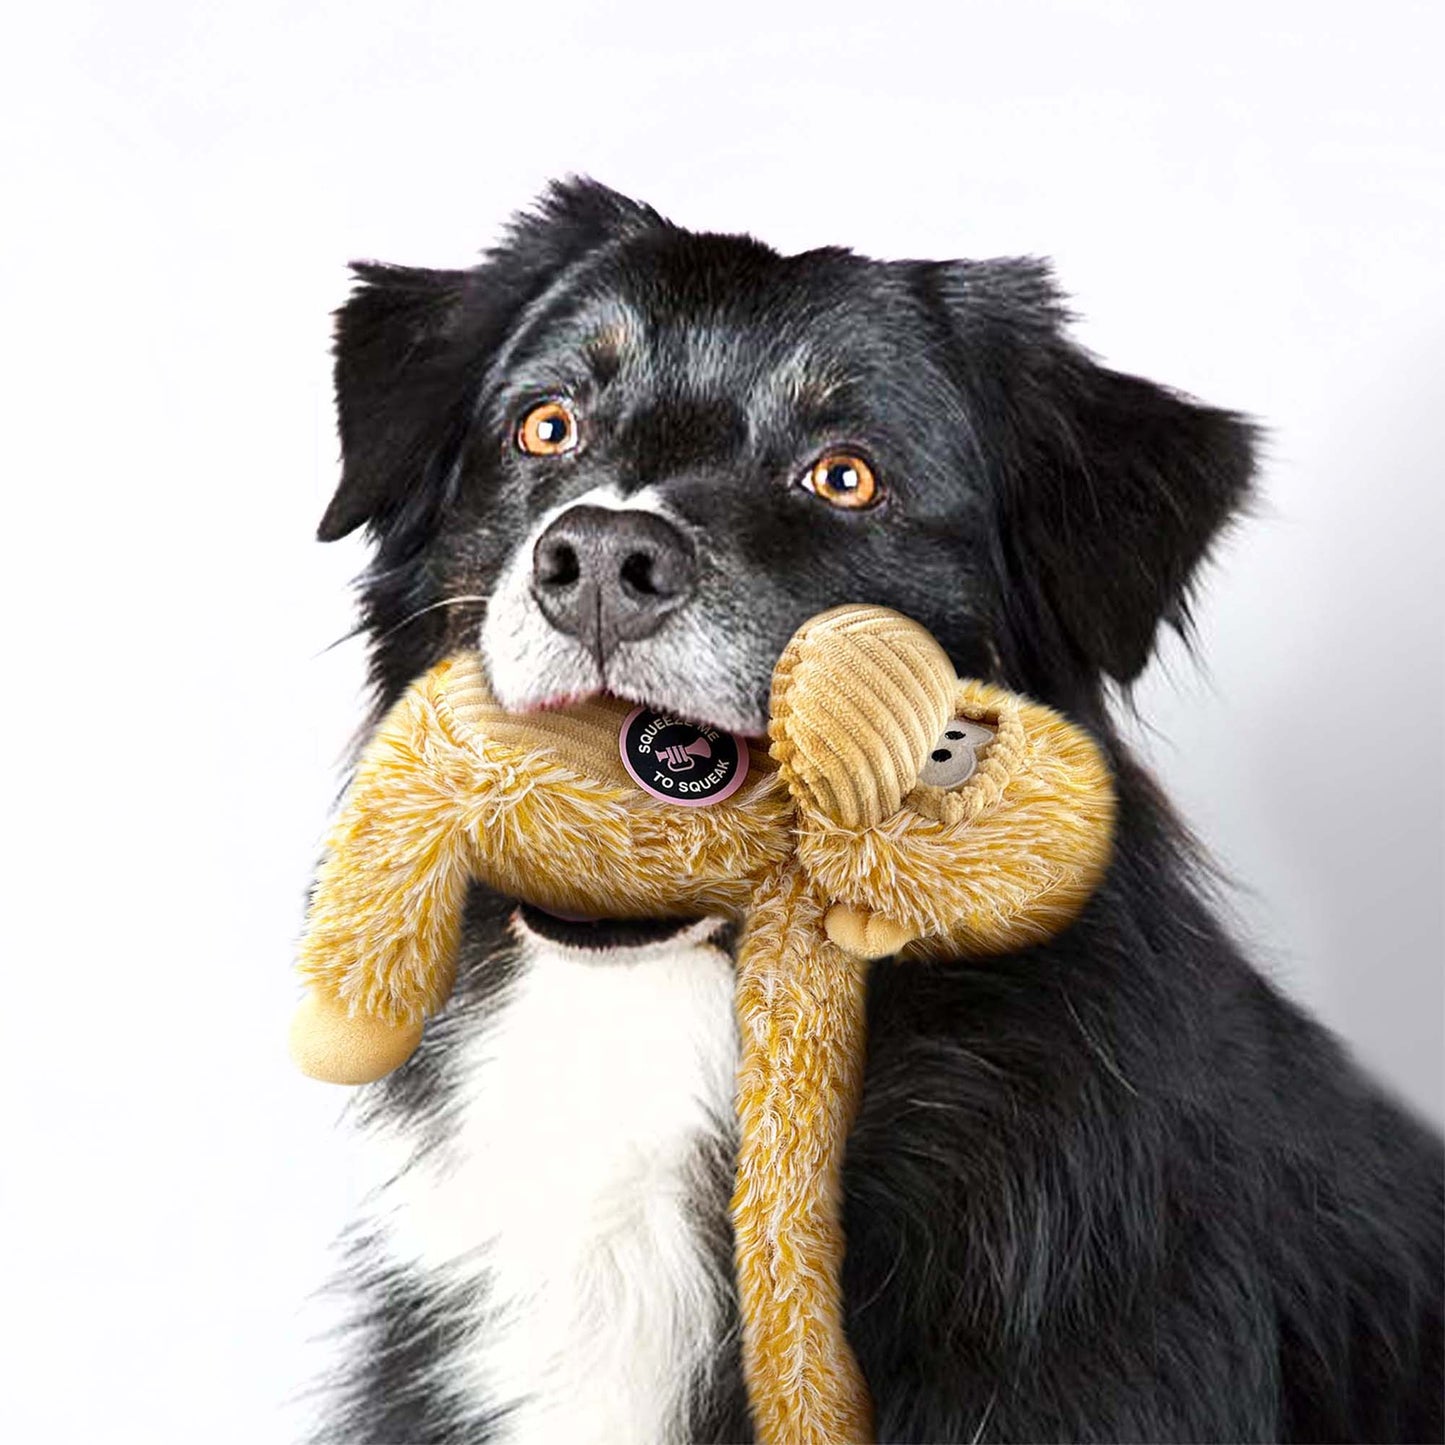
<point>411,617</point>
<point>345,637</point>
<point>430,607</point>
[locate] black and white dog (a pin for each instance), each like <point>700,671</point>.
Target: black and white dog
<point>1113,1188</point>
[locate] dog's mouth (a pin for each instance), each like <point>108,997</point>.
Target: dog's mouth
<point>709,666</point>
<point>624,700</point>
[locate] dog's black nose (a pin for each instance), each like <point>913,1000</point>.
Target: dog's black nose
<point>606,576</point>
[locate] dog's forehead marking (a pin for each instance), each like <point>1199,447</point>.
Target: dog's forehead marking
<point>807,380</point>
<point>610,339</point>
<point>769,372</point>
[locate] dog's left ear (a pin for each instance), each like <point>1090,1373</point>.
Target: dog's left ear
<point>1113,488</point>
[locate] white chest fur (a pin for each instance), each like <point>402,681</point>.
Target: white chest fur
<point>570,1187</point>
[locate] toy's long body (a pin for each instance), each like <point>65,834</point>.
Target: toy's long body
<point>829,852</point>
<point>800,1007</point>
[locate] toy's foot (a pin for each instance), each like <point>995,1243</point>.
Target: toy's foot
<point>338,1048</point>
<point>863,934</point>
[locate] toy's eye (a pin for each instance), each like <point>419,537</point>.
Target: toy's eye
<point>954,757</point>
<point>843,480</point>
<point>548,430</point>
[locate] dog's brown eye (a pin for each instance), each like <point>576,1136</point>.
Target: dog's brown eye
<point>547,430</point>
<point>843,480</point>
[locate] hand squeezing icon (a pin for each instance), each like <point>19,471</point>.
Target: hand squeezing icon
<point>679,759</point>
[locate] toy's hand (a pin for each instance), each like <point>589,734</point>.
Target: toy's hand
<point>865,934</point>
<point>860,697</point>
<point>336,1047</point>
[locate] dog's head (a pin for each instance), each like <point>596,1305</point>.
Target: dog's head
<point>621,455</point>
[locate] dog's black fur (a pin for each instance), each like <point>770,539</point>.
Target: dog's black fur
<point>1111,1188</point>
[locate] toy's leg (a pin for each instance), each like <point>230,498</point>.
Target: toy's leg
<point>382,931</point>
<point>801,1012</point>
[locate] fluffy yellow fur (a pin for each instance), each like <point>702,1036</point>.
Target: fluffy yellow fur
<point>830,852</point>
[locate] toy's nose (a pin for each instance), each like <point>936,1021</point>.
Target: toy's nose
<point>605,576</point>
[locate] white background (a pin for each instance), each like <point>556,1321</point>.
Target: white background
<point>1243,199</point>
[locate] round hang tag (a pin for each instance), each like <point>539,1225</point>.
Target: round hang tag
<point>680,762</point>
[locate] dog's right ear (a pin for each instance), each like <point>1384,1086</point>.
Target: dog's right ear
<point>413,346</point>
<point>394,386</point>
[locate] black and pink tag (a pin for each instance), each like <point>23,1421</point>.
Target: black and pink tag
<point>686,763</point>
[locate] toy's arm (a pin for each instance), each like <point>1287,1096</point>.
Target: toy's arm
<point>382,930</point>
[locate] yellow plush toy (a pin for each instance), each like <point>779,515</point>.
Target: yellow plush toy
<point>899,810</point>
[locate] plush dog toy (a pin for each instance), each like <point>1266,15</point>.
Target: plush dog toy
<point>899,811</point>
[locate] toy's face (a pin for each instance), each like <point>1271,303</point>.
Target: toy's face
<point>954,757</point>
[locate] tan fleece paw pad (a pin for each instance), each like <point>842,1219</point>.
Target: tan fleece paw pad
<point>864,934</point>
<point>329,1044</point>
